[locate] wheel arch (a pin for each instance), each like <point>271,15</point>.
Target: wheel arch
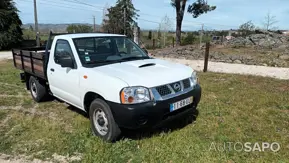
<point>27,79</point>
<point>89,97</point>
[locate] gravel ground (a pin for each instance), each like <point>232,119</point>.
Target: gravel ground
<point>198,65</point>
<point>274,72</point>
<point>5,55</point>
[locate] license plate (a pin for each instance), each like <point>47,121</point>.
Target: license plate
<point>181,104</point>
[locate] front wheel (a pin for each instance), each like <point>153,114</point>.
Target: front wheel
<point>102,121</point>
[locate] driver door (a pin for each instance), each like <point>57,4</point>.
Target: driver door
<point>64,82</point>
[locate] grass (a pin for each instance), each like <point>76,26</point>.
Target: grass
<point>234,108</point>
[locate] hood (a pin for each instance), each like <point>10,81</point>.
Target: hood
<point>148,72</point>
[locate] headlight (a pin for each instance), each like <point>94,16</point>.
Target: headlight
<point>134,95</point>
<point>194,78</point>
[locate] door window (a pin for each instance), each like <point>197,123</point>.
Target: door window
<point>62,51</point>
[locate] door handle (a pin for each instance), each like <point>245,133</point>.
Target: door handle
<point>52,69</point>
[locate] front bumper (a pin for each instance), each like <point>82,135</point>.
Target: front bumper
<point>152,113</point>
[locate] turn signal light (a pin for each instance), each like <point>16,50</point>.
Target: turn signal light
<point>122,97</point>
<point>130,99</point>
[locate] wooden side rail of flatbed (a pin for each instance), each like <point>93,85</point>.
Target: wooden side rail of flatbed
<point>30,60</point>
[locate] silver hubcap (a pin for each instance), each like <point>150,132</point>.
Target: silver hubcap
<point>34,89</point>
<point>100,122</point>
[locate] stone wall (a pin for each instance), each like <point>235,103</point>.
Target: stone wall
<point>265,48</point>
<point>258,57</point>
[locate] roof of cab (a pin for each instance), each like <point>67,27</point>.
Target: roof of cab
<point>81,35</point>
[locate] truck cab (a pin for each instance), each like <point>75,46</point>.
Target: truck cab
<point>112,79</point>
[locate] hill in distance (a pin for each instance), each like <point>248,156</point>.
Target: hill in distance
<point>59,28</point>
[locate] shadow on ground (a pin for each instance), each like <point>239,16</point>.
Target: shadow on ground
<point>70,107</point>
<point>165,127</point>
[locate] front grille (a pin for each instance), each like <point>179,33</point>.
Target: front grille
<point>171,88</point>
<point>186,83</point>
<point>163,90</point>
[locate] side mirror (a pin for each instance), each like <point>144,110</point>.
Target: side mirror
<point>66,61</point>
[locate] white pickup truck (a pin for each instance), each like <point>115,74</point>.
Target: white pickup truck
<point>111,78</point>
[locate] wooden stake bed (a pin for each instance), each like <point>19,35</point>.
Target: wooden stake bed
<point>30,60</point>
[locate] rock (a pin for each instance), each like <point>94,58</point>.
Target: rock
<point>250,63</point>
<point>235,57</point>
<point>239,42</point>
<point>284,57</point>
<point>264,64</point>
<point>283,47</point>
<point>249,58</point>
<point>216,55</point>
<point>263,39</point>
<point>238,61</point>
<point>187,51</point>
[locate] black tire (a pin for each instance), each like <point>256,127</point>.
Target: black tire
<point>113,131</point>
<point>38,91</point>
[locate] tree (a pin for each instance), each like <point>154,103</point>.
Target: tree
<point>79,29</point>
<point>150,35</point>
<point>247,28</point>
<point>121,18</point>
<point>84,29</point>
<point>197,8</point>
<point>10,25</point>
<point>269,22</point>
<point>221,33</point>
<point>159,32</point>
<point>31,28</point>
<point>29,34</point>
<point>104,16</point>
<point>166,25</point>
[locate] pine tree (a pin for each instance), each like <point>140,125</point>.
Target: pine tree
<point>10,25</point>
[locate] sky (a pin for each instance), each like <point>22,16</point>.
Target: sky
<point>229,14</point>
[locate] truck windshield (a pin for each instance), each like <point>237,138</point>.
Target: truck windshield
<point>94,51</point>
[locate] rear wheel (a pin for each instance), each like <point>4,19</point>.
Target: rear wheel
<point>102,121</point>
<point>38,91</point>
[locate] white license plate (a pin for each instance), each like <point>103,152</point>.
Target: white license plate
<point>181,104</point>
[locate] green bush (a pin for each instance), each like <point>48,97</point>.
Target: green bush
<point>188,40</point>
<point>28,34</point>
